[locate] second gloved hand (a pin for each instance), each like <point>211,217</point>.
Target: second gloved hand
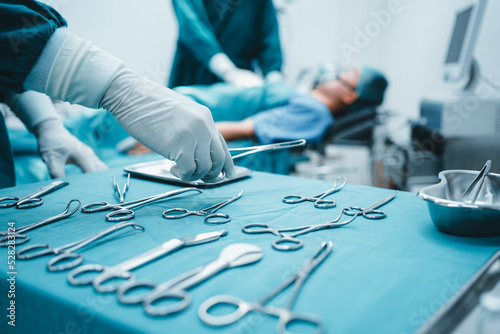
<point>57,147</point>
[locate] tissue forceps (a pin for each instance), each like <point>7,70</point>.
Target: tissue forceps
<point>211,216</point>
<point>370,212</point>
<point>268,147</point>
<point>119,192</point>
<point>319,201</point>
<point>32,200</point>
<point>288,241</point>
<point>20,237</point>
<point>123,270</point>
<point>66,252</point>
<point>234,255</point>
<point>285,315</point>
<point>124,211</point>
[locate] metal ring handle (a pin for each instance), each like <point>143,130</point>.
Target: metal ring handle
<point>217,218</point>
<point>29,203</point>
<point>19,239</point>
<point>120,215</point>
<point>183,213</point>
<point>88,268</point>
<point>184,299</point>
<point>222,320</point>
<point>53,266</point>
<point>131,285</point>
<point>28,253</point>
<point>287,243</point>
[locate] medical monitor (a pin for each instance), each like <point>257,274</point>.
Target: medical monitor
<point>459,59</point>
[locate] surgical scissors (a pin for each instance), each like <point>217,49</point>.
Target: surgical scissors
<point>288,241</point>
<point>32,200</point>
<point>123,270</point>
<point>19,237</point>
<point>285,315</point>
<point>210,214</point>
<point>319,201</point>
<point>119,192</point>
<point>370,212</point>
<point>65,253</point>
<point>124,211</point>
<point>234,255</point>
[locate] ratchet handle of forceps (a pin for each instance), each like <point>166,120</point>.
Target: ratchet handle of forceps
<point>318,201</point>
<point>368,214</point>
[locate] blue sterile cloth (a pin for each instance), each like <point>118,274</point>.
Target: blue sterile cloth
<point>383,276</point>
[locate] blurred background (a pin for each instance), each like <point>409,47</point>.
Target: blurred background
<point>407,40</point>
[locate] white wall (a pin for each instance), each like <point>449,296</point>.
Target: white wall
<point>409,46</point>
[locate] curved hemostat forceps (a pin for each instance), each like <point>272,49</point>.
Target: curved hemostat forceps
<point>319,201</point>
<point>234,255</point>
<point>120,193</point>
<point>65,253</point>
<point>32,200</point>
<point>288,241</point>
<point>123,270</point>
<point>19,235</point>
<point>268,147</point>
<point>370,212</point>
<point>124,211</point>
<point>211,216</point>
<point>285,315</point>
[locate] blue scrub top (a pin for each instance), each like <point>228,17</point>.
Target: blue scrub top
<point>25,28</point>
<point>246,31</point>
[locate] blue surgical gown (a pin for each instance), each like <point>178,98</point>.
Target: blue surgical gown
<point>246,31</point>
<point>25,28</point>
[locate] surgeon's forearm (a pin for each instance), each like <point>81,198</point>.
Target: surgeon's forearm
<point>236,130</point>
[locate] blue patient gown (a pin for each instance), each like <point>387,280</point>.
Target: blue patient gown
<point>246,31</point>
<point>25,28</point>
<point>303,117</point>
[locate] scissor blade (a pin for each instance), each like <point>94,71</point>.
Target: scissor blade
<point>203,237</point>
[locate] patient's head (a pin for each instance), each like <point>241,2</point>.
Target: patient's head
<point>351,89</point>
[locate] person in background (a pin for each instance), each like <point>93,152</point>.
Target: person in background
<point>277,112</point>
<point>38,53</point>
<point>223,40</point>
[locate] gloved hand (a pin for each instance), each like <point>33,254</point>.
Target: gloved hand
<point>224,68</point>
<point>274,76</point>
<point>55,144</point>
<point>57,147</point>
<point>161,119</point>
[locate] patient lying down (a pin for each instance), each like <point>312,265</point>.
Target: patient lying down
<point>275,112</point>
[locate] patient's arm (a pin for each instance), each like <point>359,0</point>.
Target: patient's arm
<point>236,130</point>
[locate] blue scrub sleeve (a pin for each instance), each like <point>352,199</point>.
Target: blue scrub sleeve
<point>25,28</point>
<point>195,31</point>
<point>270,57</point>
<point>304,117</point>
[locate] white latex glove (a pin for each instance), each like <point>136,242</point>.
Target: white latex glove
<point>224,68</point>
<point>161,119</point>
<point>57,147</point>
<point>274,76</point>
<point>55,144</point>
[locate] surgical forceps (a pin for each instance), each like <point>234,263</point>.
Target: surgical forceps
<point>234,255</point>
<point>268,147</point>
<point>65,253</point>
<point>123,270</point>
<point>124,211</point>
<point>210,214</point>
<point>319,201</point>
<point>32,200</point>
<point>19,237</point>
<point>119,192</point>
<point>288,241</point>
<point>370,212</point>
<point>285,315</point>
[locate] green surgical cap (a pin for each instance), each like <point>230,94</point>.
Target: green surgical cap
<point>370,88</point>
